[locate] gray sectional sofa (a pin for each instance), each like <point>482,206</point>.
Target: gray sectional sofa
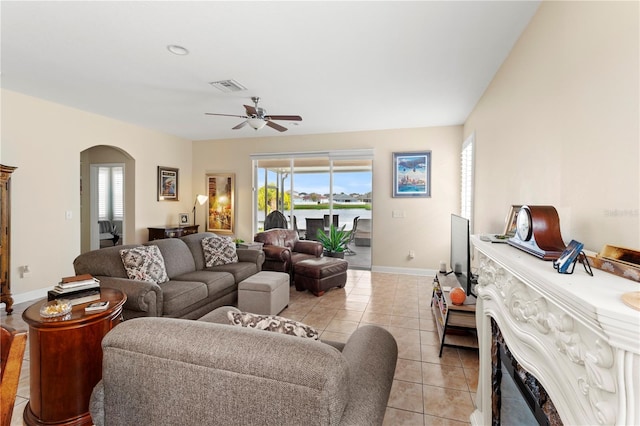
<point>192,291</point>
<point>159,371</point>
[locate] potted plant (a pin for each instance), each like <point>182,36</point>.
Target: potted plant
<point>335,243</point>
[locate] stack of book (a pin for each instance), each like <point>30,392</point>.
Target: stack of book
<point>78,289</point>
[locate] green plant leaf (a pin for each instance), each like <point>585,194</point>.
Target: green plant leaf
<point>337,239</point>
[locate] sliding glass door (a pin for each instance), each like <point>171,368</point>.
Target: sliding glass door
<point>314,191</point>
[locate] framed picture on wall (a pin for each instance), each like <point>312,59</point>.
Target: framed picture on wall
<point>221,213</point>
<point>167,184</point>
<point>412,174</point>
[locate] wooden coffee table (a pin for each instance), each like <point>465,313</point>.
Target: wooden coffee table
<point>66,360</point>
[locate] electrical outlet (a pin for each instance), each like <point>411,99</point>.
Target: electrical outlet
<point>68,215</point>
<point>25,271</point>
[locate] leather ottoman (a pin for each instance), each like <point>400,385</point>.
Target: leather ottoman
<point>320,274</point>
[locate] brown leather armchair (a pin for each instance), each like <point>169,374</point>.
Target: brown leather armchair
<point>283,249</point>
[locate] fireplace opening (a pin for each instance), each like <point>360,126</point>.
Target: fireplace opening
<point>518,397</point>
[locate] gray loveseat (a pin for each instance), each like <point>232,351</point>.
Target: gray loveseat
<point>160,371</point>
<point>192,290</point>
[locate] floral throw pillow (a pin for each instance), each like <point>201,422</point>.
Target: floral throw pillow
<point>219,251</point>
<point>272,323</point>
<point>144,263</point>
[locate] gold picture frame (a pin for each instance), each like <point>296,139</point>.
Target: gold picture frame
<point>221,206</point>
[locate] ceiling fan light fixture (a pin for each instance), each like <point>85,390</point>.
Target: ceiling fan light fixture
<point>257,123</point>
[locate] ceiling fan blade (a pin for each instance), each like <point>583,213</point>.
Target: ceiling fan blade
<point>240,126</point>
<point>284,117</point>
<point>276,126</point>
<point>250,110</point>
<point>226,115</point>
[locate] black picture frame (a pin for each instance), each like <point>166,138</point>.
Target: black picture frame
<point>168,184</point>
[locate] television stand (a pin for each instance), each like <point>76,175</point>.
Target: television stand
<point>456,324</point>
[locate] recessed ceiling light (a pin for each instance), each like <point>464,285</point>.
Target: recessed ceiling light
<point>177,50</point>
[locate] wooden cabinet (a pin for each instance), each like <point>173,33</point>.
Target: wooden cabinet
<point>5,237</point>
<point>456,324</point>
<point>163,232</point>
<point>65,360</point>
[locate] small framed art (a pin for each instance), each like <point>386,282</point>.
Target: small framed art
<point>510,221</point>
<point>183,219</point>
<point>167,184</point>
<point>412,174</point>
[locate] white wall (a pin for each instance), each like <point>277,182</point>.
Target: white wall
<point>425,229</point>
<point>44,141</point>
<point>559,125</point>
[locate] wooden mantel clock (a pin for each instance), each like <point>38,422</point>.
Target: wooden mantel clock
<point>538,232</point>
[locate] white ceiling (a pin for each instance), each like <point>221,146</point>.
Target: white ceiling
<point>342,66</point>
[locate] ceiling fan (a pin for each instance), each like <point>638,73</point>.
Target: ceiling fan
<point>257,117</point>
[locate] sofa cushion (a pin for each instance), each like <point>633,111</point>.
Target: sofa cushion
<point>177,256</point>
<point>144,263</point>
<point>272,323</point>
<point>179,295</point>
<point>219,251</point>
<point>217,283</point>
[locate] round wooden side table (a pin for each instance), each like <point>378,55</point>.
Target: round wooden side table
<point>66,360</point>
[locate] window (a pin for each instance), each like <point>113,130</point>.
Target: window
<point>110,193</point>
<point>466,181</point>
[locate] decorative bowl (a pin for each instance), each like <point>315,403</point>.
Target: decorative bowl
<point>55,308</point>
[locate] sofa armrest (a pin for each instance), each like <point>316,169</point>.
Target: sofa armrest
<point>371,353</point>
<point>142,296</point>
<point>219,315</point>
<point>96,404</point>
<point>278,253</point>
<point>308,247</point>
<point>252,256</point>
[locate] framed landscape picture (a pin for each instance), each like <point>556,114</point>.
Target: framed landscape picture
<point>412,174</point>
<point>167,184</point>
<point>221,214</point>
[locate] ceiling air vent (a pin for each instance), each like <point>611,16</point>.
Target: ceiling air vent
<point>228,86</point>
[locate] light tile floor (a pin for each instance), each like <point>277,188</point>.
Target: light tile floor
<point>427,389</point>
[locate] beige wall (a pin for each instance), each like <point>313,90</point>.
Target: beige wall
<point>425,228</point>
<point>558,124</point>
<point>44,140</point>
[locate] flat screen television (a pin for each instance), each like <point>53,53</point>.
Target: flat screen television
<point>461,253</point>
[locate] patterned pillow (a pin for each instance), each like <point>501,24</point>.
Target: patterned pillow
<point>144,263</point>
<point>272,323</point>
<point>219,251</point>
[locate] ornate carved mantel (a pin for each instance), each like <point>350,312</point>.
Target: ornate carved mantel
<point>572,332</point>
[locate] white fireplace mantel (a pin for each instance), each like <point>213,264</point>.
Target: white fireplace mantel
<point>572,332</point>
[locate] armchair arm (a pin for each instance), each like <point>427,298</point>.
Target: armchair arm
<point>96,404</point>
<point>371,353</point>
<point>253,256</point>
<point>277,253</point>
<point>308,247</point>
<point>142,296</point>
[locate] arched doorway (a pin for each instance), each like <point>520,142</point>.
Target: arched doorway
<point>93,161</point>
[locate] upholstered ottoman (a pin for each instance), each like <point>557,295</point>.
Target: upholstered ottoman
<point>320,274</point>
<point>265,293</point>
